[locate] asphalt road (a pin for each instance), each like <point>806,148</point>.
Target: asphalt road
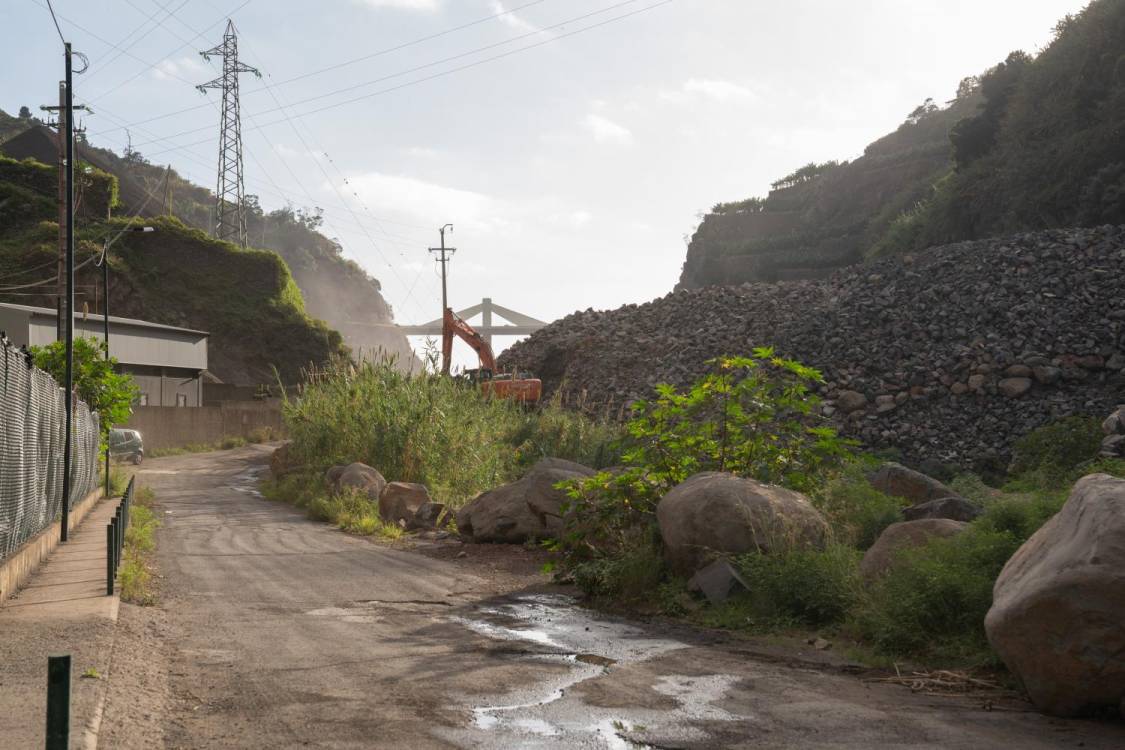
<point>281,632</point>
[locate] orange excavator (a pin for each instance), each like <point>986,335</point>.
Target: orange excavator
<point>518,387</point>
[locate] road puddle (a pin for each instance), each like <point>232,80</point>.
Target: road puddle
<point>549,714</point>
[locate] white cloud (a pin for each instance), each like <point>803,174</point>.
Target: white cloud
<point>423,152</point>
<point>511,19</point>
<point>181,67</point>
<point>716,90</point>
<point>605,130</point>
<point>425,5</point>
<point>723,91</point>
<point>424,200</point>
<point>580,219</point>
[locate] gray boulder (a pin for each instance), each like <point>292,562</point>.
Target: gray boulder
<point>427,516</point>
<point>360,477</point>
<point>529,508</point>
<point>400,501</point>
<point>898,481</point>
<point>1058,606</point>
<point>897,537</point>
<point>332,476</point>
<point>714,514</point>
<point>954,508</point>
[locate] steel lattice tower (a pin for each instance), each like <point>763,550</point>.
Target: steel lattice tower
<point>230,192</point>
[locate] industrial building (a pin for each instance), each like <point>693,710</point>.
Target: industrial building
<point>167,362</point>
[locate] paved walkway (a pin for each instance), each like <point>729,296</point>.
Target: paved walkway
<point>63,609</point>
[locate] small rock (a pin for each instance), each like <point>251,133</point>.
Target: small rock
<point>1046,374</point>
<point>718,581</point>
<point>820,644</point>
<point>849,401</point>
<point>976,382</point>
<point>1015,387</point>
<point>955,508</point>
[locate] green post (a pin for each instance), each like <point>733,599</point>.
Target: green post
<point>58,702</point>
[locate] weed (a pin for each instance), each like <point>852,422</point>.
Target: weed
<point>856,511</point>
<point>1053,451</point>
<point>134,574</point>
<point>91,673</point>
<point>803,586</point>
<point>232,442</point>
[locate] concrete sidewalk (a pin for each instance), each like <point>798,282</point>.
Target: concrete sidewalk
<point>62,610</point>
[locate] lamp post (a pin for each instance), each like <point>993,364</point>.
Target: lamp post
<point>103,261</point>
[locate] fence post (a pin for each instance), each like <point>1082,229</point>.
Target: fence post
<point>116,541</point>
<point>110,571</point>
<point>58,702</point>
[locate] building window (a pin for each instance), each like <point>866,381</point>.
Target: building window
<point>181,399</point>
<point>143,400</point>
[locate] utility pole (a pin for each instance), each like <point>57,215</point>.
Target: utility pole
<point>64,125</point>
<point>445,255</point>
<point>230,190</point>
<point>68,391</point>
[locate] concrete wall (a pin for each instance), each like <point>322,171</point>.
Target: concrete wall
<point>172,427</point>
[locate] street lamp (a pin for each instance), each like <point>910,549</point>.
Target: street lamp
<point>103,261</point>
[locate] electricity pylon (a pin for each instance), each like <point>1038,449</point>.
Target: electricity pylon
<point>230,193</point>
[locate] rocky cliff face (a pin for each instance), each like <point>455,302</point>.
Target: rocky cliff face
<point>951,354</point>
<point>807,229</point>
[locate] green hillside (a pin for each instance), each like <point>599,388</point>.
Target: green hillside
<point>246,299</point>
<point>1032,143</point>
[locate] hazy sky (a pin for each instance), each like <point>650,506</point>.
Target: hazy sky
<point>572,167</point>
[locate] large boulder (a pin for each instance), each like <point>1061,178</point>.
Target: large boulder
<point>955,508</point>
<point>399,501</point>
<point>897,537</point>
<point>529,508</point>
<point>899,481</point>
<point>714,514</point>
<point>360,477</point>
<point>1058,606</point>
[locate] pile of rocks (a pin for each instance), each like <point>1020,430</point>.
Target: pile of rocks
<point>951,354</point>
<point>1113,444</point>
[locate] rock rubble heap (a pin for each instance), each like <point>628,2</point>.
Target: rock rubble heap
<point>947,355</point>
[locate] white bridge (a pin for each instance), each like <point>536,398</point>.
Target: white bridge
<point>517,324</point>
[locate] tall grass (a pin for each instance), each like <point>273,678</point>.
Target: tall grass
<point>135,573</point>
<point>434,430</point>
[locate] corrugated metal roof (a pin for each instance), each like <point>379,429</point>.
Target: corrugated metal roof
<point>48,312</point>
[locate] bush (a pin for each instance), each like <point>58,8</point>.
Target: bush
<point>857,512</point>
<point>140,541</point>
<point>806,587</point>
<point>1053,451</point>
<point>429,429</point>
<point>932,603</point>
<point>632,574</point>
<point>750,416</point>
<point>231,442</point>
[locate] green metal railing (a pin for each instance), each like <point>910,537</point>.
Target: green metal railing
<point>115,537</point>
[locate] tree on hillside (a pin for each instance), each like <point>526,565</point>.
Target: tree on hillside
<point>25,113</point>
<point>975,136</point>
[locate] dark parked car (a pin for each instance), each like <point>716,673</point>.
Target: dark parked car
<point>126,445</point>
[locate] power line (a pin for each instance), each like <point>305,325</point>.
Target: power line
<point>121,50</point>
<point>425,79</point>
<point>415,69</point>
<point>56,20</point>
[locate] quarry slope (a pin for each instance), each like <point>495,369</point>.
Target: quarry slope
<point>949,355</point>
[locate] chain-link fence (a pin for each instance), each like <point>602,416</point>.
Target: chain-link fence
<point>32,429</point>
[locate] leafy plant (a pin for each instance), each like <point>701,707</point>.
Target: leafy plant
<point>1053,451</point>
<point>801,586</point>
<point>750,416</point>
<point>109,393</point>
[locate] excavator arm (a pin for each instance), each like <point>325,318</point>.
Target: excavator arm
<point>452,326</point>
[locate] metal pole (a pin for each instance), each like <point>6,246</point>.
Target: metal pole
<point>69,387</point>
<point>105,328</point>
<point>110,572</point>
<point>58,700</point>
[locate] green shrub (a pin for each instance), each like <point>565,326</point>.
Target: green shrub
<point>260,435</point>
<point>750,416</point>
<point>1055,450</point>
<point>231,442</point>
<point>430,429</point>
<point>632,573</point>
<point>857,512</point>
<point>932,603</point>
<point>806,587</point>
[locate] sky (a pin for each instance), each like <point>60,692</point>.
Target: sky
<point>573,144</point>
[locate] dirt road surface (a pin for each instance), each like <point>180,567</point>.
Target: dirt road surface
<point>275,631</point>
